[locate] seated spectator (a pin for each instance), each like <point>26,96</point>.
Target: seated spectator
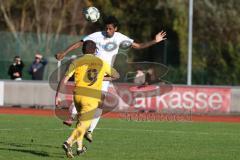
<point>151,77</point>
<point>146,77</point>
<point>140,78</point>
<point>15,69</point>
<point>37,67</point>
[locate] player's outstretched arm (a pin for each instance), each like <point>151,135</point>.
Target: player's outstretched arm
<point>158,38</point>
<point>63,82</point>
<point>60,87</point>
<point>61,55</point>
<point>111,78</point>
<point>113,75</point>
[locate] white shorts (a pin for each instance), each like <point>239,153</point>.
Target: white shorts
<point>18,79</point>
<point>105,86</point>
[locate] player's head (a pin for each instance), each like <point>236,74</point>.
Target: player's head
<point>89,47</point>
<point>111,25</point>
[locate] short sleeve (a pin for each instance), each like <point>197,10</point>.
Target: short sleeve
<point>70,71</point>
<point>123,38</point>
<point>92,37</point>
<point>109,70</point>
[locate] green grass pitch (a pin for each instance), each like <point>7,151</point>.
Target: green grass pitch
<point>37,138</point>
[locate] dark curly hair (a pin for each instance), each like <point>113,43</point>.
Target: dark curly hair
<point>89,47</point>
<point>111,20</point>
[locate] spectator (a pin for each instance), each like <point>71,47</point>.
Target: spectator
<point>147,77</point>
<point>15,69</point>
<point>151,77</point>
<point>37,67</point>
<point>140,77</point>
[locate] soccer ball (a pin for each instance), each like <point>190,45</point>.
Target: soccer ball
<point>91,14</point>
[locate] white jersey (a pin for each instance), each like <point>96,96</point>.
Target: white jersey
<point>107,48</point>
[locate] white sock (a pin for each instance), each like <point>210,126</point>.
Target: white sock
<point>95,120</point>
<point>79,145</point>
<point>73,110</point>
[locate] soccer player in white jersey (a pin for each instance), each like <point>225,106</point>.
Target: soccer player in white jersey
<point>108,42</point>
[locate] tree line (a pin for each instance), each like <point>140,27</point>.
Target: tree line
<point>216,28</point>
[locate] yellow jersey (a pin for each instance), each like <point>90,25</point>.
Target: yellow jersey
<point>89,72</point>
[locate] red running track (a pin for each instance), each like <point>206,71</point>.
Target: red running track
<point>49,112</point>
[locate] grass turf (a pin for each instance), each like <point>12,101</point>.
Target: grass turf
<point>35,138</point>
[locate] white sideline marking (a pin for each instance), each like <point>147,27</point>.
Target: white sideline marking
<point>167,131</point>
<point>6,129</point>
<point>130,130</point>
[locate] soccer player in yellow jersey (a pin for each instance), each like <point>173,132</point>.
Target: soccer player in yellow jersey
<point>89,72</point>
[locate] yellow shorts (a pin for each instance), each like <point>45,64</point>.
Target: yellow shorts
<point>85,104</point>
<point>86,107</point>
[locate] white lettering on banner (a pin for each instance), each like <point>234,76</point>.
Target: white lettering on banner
<point>175,100</point>
<point>126,94</point>
<point>140,102</point>
<point>189,100</point>
<point>196,99</point>
<point>160,99</point>
<point>201,99</point>
<point>149,101</point>
<point>215,101</point>
<point>1,93</point>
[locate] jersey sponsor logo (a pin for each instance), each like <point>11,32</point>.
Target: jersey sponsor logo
<point>110,46</point>
<point>92,75</point>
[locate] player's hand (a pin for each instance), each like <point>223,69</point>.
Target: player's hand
<point>59,55</point>
<point>57,101</point>
<point>160,36</point>
<point>107,78</point>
